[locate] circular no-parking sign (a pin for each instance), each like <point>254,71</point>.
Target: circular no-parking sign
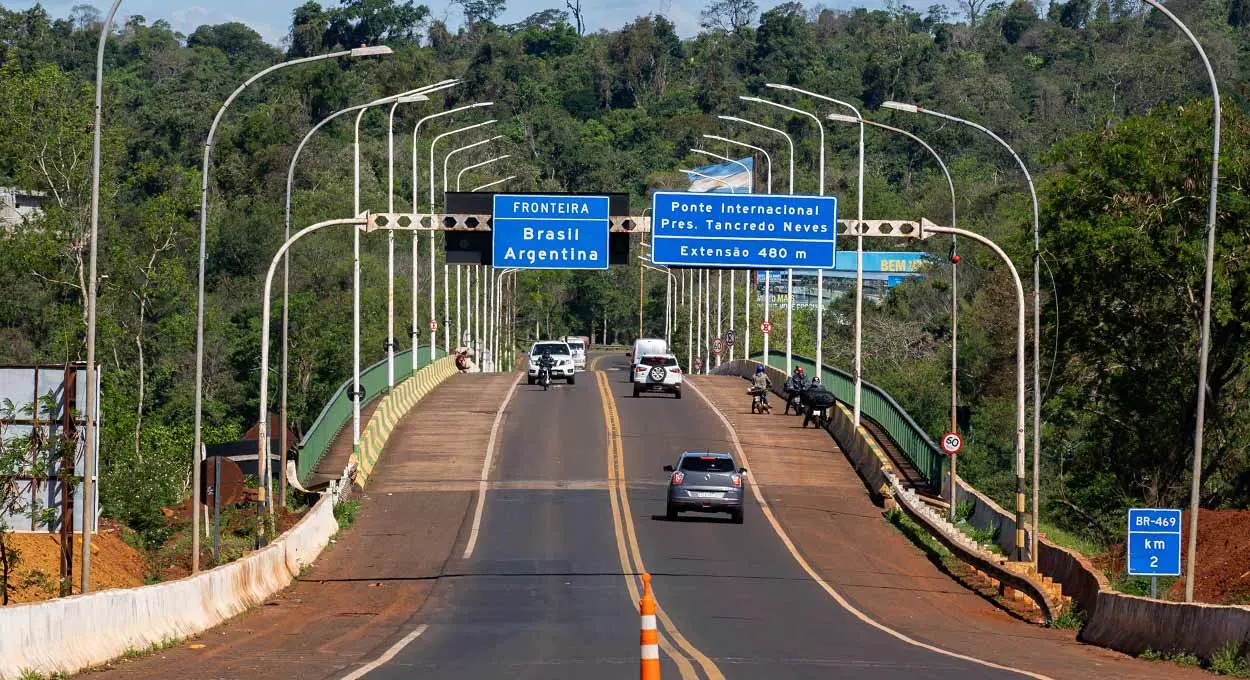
<point>433,326</point>
<point>766,327</point>
<point>951,443</point>
<point>717,346</point>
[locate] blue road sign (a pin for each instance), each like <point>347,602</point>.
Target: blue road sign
<point>743,230</point>
<point>550,232</point>
<point>1154,542</point>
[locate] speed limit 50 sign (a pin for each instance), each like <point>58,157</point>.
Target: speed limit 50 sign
<point>951,443</point>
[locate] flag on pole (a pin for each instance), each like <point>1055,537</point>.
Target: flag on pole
<point>724,178</point>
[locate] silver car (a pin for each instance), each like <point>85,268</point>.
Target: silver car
<point>706,482</point>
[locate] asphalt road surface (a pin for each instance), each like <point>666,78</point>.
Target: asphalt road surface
<point>575,510</point>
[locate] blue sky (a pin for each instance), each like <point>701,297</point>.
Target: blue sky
<point>272,18</point>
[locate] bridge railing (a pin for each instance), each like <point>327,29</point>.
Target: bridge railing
<point>914,443</point>
<point>338,409</point>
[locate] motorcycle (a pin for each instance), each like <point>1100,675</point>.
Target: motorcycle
<point>758,405</point>
<point>544,377</point>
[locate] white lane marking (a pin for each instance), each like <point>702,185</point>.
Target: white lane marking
<point>387,655</point>
<point>785,539</point>
<point>490,454</point>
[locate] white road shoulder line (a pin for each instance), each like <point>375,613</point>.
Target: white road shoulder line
<point>387,655</point>
<point>482,481</point>
<point>845,604</point>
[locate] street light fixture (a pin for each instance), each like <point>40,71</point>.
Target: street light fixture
<point>1037,313</point>
<point>376,50</point>
<point>497,182</point>
<point>761,126</point>
<point>768,160</point>
<point>954,277</point>
<point>475,166</point>
<point>453,152</point>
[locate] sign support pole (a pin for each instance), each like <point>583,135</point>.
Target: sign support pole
<point>768,295</point>
<point>790,322</point>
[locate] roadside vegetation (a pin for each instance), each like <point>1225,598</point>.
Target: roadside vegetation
<point>1119,148</point>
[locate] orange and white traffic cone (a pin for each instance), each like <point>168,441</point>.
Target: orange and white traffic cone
<point>650,636</point>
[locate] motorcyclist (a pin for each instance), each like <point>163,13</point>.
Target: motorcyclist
<point>546,362</point>
<point>462,361</point>
<point>819,400</point>
<point>795,386</point>
<point>761,384</point>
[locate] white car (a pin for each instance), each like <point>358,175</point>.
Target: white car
<point>657,373</point>
<point>564,368</point>
<point>579,352</point>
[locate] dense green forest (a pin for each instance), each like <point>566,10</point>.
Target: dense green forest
<point>1106,101</point>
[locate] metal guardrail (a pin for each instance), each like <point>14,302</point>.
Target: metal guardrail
<point>338,409</point>
<point>914,443</point>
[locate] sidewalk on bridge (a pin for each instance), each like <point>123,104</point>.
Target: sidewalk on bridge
<point>825,508</point>
<point>367,589</point>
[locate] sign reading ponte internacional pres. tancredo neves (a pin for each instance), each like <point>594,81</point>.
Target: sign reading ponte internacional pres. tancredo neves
<point>550,231</point>
<point>743,230</point>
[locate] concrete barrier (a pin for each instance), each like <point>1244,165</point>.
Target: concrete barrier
<point>74,633</point>
<point>1132,624</point>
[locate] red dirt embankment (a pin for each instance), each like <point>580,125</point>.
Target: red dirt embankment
<point>114,564</point>
<point>1223,569</point>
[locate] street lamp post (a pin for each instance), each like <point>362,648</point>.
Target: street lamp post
<point>820,273</point>
<point>89,437</point>
<point>262,445</point>
<point>767,278</point>
<point>470,318</point>
<point>290,184</point>
<point>720,278</point>
<point>1020,372</point>
<point>859,255</point>
<point>954,280</point>
<point>357,393</point>
<point>390,241</point>
<point>433,144</point>
<point>1195,487</point>
<point>1037,313</point>
<point>433,232</point>
<point>379,50</point>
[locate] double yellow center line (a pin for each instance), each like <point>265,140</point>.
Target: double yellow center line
<point>679,649</point>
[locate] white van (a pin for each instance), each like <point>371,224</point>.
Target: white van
<point>579,351</point>
<point>644,347</point>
